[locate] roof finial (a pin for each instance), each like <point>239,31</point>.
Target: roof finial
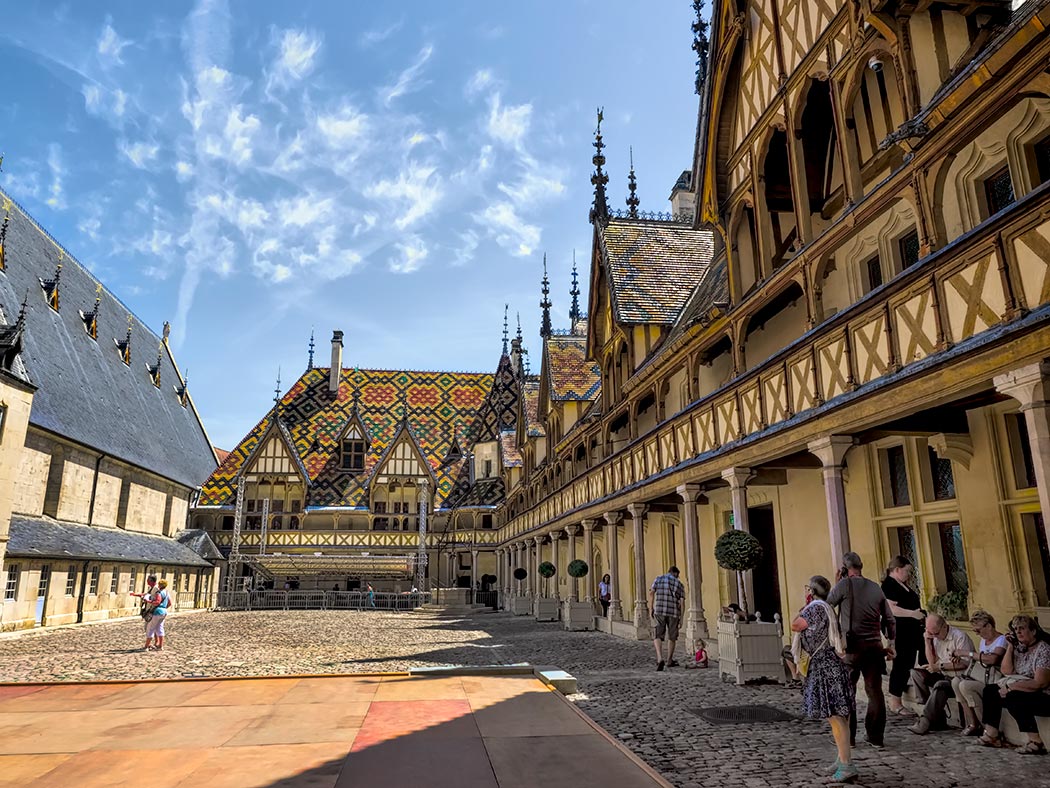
<point>545,303</point>
<point>574,309</point>
<point>519,327</point>
<point>600,208</point>
<point>277,391</point>
<point>505,308</point>
<point>632,187</point>
<point>124,345</point>
<point>182,391</point>
<point>50,286</point>
<point>154,369</point>
<point>310,361</point>
<point>3,234</point>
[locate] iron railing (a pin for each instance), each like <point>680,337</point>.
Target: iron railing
<point>319,600</point>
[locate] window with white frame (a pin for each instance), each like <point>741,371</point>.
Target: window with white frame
<point>11,587</point>
<point>93,580</point>
<point>71,580</point>
<point>114,580</point>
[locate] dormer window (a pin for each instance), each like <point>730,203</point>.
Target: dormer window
<point>353,454</point>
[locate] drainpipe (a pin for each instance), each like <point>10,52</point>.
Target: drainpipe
<point>83,591</point>
<point>94,488</point>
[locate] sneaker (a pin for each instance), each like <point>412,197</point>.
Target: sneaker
<point>878,745</point>
<point>835,766</point>
<point>921,727</point>
<point>660,665</point>
<point>672,663</point>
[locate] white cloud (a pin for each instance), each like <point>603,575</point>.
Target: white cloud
<point>368,221</point>
<point>508,124</point>
<point>412,254</point>
<point>139,153</point>
<point>304,211</point>
<point>407,81</point>
<point>103,103</point>
<point>337,266</point>
<point>344,129</point>
<point>297,55</point>
<point>416,190</point>
<point>90,226</point>
<point>465,253</point>
<point>56,192</point>
<point>92,98</point>
<point>110,45</point>
<point>183,171</point>
<point>510,231</point>
<point>481,79</point>
<point>372,37</point>
<point>238,134</point>
<point>534,186</point>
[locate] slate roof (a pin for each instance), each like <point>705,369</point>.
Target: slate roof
<point>441,405</point>
<point>508,447</point>
<point>652,267</point>
<point>484,492</point>
<point>198,541</point>
<point>42,537</point>
<point>712,291</point>
<point>571,377</point>
<point>85,391</point>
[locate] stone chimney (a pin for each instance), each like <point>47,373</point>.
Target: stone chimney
<point>337,362</point>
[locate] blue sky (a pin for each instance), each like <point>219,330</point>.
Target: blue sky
<point>249,171</point>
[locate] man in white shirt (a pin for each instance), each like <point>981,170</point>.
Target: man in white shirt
<point>933,681</point>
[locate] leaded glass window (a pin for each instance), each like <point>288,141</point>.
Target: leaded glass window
<point>909,249</point>
<point>955,578</point>
<point>998,190</point>
<point>941,477</point>
<point>897,476</point>
<point>874,273</point>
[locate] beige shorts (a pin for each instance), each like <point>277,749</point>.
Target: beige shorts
<point>665,625</point>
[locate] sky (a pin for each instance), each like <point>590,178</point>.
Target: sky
<point>255,171</point>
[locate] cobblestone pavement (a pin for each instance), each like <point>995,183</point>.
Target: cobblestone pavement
<point>619,688</point>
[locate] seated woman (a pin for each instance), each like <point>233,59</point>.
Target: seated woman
<point>984,670</point>
<point>1026,688</point>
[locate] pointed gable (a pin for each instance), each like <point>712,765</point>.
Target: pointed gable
<point>275,457</point>
<point>403,457</point>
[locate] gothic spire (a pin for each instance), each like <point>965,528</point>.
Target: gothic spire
<point>505,308</point>
<point>519,327</point>
<point>545,303</point>
<point>600,207</point>
<point>277,391</point>
<point>310,360</point>
<point>574,309</point>
<point>632,187</point>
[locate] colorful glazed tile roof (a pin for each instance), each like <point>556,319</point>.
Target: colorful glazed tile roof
<point>571,377</point>
<point>711,292</point>
<point>508,447</point>
<point>500,410</point>
<point>440,405</point>
<point>530,398</point>
<point>484,492</point>
<point>653,267</point>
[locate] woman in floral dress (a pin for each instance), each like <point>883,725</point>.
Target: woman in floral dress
<point>828,692</point>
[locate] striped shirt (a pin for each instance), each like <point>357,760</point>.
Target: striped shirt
<point>667,589</point>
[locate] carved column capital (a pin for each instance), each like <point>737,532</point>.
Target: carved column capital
<point>588,525</point>
<point>831,449</point>
<point>571,530</point>
<point>637,510</point>
<point>613,518</point>
<point>688,492</point>
<point>737,477</point>
<point>1028,385</point>
<point>954,446</point>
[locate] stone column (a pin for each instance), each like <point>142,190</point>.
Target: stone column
<point>555,539</point>
<point>519,587</point>
<point>1030,385</point>
<point>574,584</point>
<point>473,569</point>
<point>535,571</point>
<point>695,623</point>
<point>612,546</point>
<point>641,606</point>
<point>588,556</point>
<point>738,478</point>
<point>499,574</point>
<point>831,450</point>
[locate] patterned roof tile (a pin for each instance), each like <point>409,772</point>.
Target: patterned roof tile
<point>508,446</point>
<point>571,376</point>
<point>440,406</point>
<point>530,394</point>
<point>653,267</point>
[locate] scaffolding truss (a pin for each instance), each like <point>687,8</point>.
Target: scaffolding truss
<point>396,567</point>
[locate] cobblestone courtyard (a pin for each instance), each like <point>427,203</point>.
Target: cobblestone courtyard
<point>619,688</point>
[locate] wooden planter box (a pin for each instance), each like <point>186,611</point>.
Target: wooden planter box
<point>749,651</point>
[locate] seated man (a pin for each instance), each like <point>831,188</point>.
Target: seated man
<point>944,646</point>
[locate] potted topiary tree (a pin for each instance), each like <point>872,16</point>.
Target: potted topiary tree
<point>578,615</point>
<point>747,650</point>
<point>546,607</point>
<point>521,605</point>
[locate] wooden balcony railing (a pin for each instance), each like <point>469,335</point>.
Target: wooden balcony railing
<point>279,540</point>
<point>983,280</point>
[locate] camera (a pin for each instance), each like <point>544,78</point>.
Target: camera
<point>875,63</point>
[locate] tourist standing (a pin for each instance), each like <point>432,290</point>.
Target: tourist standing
<point>904,603</point>
<point>146,605</point>
<point>155,629</point>
<point>864,613</point>
<point>605,593</point>
<point>828,691</point>
<point>666,596</point>
<point>371,595</point>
